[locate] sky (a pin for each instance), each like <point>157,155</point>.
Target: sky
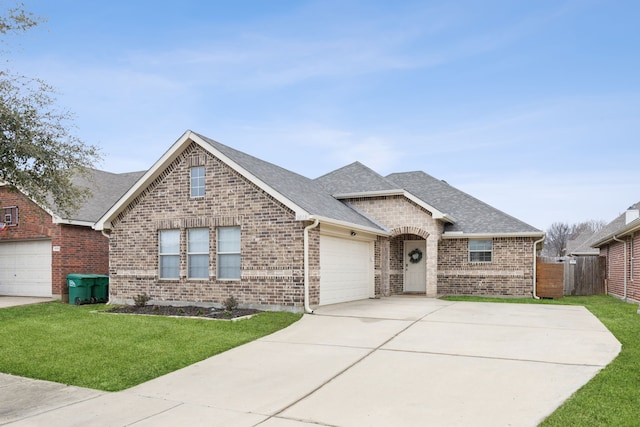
<point>530,106</point>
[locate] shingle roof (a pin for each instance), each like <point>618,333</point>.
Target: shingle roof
<point>302,191</point>
<point>355,178</point>
<point>106,189</point>
<point>611,229</point>
<point>581,244</point>
<point>316,197</point>
<point>472,215</point>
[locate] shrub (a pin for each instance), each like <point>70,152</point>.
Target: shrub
<point>141,300</point>
<point>230,303</point>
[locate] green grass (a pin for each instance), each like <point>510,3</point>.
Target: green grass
<point>74,345</point>
<point>611,398</point>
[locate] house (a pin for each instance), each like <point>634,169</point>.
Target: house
<point>207,222</point>
<point>619,242</point>
<point>581,245</point>
<point>39,246</point>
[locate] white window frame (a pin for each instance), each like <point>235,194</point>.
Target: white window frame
<point>473,251</point>
<point>221,254</point>
<point>194,253</point>
<point>10,216</point>
<point>197,183</point>
<point>165,255</point>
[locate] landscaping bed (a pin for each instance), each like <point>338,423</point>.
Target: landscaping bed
<point>187,311</point>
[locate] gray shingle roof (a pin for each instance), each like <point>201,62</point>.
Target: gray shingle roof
<point>581,244</point>
<point>302,191</point>
<point>472,215</point>
<point>613,228</point>
<point>106,189</point>
<point>355,178</point>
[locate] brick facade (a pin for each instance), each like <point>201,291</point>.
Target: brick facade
<point>272,244</point>
<point>272,251</point>
<point>407,221</point>
<point>510,273</point>
<point>76,249</point>
<point>616,263</point>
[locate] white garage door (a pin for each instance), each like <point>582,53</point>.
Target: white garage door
<point>346,270</point>
<point>25,268</point>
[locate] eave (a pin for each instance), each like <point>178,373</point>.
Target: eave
<point>630,228</point>
<point>462,235</point>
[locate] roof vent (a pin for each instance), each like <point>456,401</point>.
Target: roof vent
<point>631,215</point>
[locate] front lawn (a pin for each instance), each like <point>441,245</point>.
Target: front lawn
<point>74,345</point>
<point>611,398</point>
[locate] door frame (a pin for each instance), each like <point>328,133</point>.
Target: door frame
<point>405,263</point>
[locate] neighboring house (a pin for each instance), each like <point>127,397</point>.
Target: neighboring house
<point>581,245</point>
<point>619,242</point>
<point>207,222</point>
<point>39,247</point>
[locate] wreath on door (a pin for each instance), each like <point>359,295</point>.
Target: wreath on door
<point>415,256</point>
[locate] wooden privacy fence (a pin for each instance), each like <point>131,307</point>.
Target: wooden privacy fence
<point>549,279</point>
<point>556,277</point>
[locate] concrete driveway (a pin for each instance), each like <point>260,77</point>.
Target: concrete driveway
<point>11,301</point>
<point>394,361</point>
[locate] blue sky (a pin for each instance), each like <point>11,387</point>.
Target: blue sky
<point>530,106</point>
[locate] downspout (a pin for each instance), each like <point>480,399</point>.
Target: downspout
<point>625,264</point>
<point>307,308</point>
<point>535,266</point>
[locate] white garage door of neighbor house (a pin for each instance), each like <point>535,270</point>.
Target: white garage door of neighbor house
<point>346,270</point>
<point>25,268</point>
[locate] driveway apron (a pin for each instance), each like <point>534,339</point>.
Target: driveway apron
<point>393,361</point>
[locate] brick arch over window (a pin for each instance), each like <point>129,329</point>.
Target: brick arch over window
<point>409,230</point>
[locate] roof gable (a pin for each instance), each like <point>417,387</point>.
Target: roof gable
<point>472,216</point>
<point>357,180</point>
<point>304,197</point>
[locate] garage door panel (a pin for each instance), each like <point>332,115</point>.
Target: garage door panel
<point>25,268</point>
<point>346,270</point>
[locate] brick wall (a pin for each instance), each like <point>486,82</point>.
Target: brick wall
<point>272,249</point>
<point>406,220</point>
<point>615,253</point>
<point>81,249</point>
<point>633,286</point>
<point>615,269</point>
<point>34,222</point>
<point>509,274</point>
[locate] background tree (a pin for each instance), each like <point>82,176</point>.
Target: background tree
<point>559,233</point>
<point>38,154</point>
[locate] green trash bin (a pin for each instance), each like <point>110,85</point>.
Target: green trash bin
<point>100,288</point>
<point>79,289</point>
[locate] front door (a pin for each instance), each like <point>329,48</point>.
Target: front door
<point>415,272</point>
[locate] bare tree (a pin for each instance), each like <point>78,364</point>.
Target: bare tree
<point>559,233</point>
<point>38,153</point>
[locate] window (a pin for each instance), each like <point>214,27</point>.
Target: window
<point>197,181</point>
<point>198,253</point>
<point>10,216</point>
<point>169,253</point>
<point>229,253</point>
<point>480,250</point>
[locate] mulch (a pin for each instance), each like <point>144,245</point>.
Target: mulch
<point>186,311</point>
